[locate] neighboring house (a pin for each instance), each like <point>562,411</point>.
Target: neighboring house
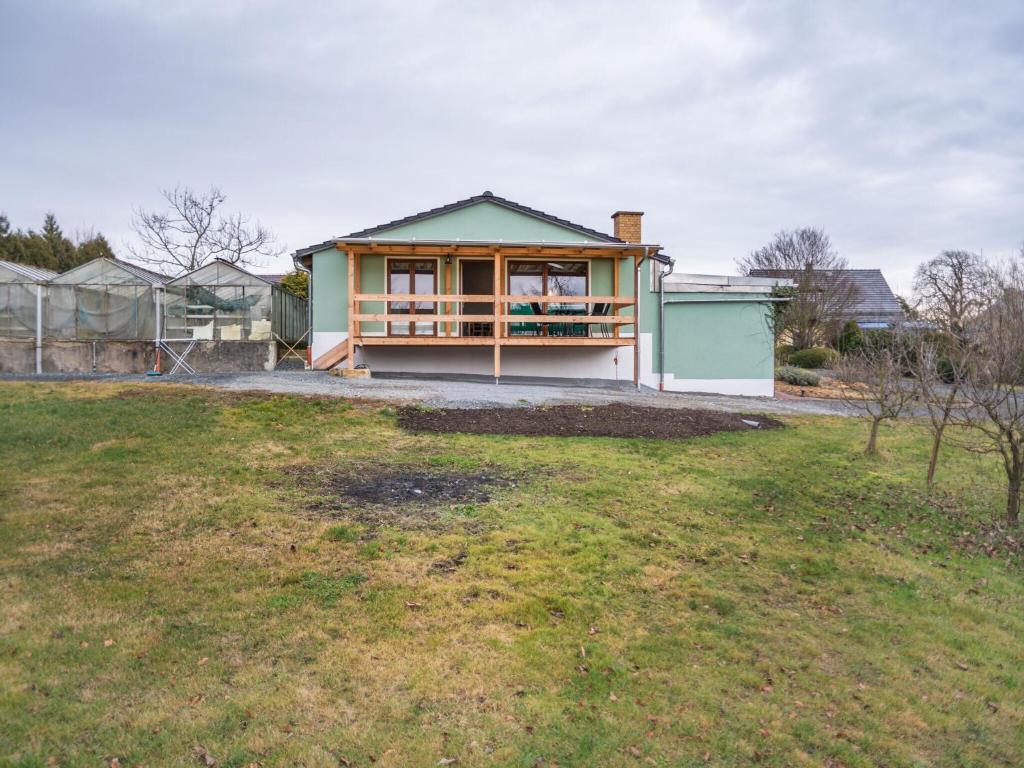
<point>490,288</point>
<point>876,305</point>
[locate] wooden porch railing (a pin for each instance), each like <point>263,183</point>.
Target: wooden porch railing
<point>500,304</point>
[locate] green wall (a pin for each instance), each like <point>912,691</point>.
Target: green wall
<point>330,290</point>
<point>728,339</point>
<point>486,221</point>
<point>372,279</point>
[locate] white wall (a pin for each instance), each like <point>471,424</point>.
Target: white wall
<point>324,340</point>
<point>604,363</point>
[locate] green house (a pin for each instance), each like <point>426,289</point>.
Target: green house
<point>486,287</point>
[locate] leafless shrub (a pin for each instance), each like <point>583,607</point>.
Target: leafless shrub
<point>937,371</point>
<point>876,381</point>
<point>993,378</point>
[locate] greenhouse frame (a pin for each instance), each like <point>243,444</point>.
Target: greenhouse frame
<point>119,315</point>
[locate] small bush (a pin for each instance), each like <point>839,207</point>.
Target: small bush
<point>880,338</point>
<point>815,357</point>
<point>782,353</point>
<point>797,376</point>
<point>851,339</point>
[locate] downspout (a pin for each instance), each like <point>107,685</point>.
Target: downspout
<point>636,319</point>
<point>665,272</point>
<point>300,267</point>
<point>39,328</point>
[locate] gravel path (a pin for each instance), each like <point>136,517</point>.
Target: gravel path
<point>471,394</point>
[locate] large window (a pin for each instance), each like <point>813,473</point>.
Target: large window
<point>548,278</point>
<point>412,277</point>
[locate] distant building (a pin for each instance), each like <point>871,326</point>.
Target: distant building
<point>876,307</point>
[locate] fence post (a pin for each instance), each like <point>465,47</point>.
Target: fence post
<point>39,328</point>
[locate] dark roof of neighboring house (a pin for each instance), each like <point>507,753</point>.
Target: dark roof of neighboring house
<point>875,299</point>
<point>273,278</point>
<point>489,197</point>
<point>28,271</point>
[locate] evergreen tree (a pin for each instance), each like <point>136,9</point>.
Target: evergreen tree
<point>49,248</point>
<point>62,250</point>
<point>94,247</point>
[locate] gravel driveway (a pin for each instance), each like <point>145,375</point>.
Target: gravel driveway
<point>470,394</point>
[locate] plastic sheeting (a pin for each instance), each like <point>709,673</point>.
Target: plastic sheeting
<point>17,310</point>
<point>106,300</point>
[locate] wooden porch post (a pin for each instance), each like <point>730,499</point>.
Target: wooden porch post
<point>616,268</point>
<point>499,288</point>
<point>357,281</point>
<point>636,321</point>
<point>351,310</point>
<point>446,306</point>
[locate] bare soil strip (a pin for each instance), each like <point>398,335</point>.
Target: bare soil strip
<point>615,420</point>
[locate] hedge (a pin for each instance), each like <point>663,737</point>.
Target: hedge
<point>815,357</point>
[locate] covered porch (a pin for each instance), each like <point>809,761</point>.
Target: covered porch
<point>484,294</point>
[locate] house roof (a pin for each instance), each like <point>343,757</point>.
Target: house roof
<point>29,272</point>
<point>874,296</point>
<point>484,197</point>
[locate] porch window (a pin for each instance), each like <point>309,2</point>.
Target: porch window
<point>548,278</point>
<point>412,277</point>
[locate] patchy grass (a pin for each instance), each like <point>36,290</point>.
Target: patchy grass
<point>761,597</point>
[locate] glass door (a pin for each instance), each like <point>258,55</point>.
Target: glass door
<point>412,277</point>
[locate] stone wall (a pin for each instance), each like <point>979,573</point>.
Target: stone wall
<point>19,356</point>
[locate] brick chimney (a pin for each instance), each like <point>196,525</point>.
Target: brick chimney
<point>627,225</point>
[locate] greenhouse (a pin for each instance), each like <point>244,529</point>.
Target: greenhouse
<point>112,316</point>
<point>223,302</point>
<point>22,289</point>
<point>103,299</point>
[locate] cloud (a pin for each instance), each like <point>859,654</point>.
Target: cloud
<point>896,127</point>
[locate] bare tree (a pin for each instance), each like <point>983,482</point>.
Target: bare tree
<point>950,290</point>
<point>875,381</point>
<point>937,372</point>
<point>825,292</point>
<point>993,379</point>
<point>192,230</point>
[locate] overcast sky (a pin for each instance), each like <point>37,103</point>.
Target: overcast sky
<point>898,127</point>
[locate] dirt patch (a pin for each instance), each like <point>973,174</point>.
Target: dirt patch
<point>393,496</point>
<point>448,564</point>
<point>828,389</point>
<point>616,420</point>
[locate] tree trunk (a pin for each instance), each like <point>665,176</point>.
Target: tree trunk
<point>1013,493</point>
<point>873,437</point>
<point>933,460</point>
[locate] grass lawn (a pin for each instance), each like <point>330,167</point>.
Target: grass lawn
<point>174,590</point>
